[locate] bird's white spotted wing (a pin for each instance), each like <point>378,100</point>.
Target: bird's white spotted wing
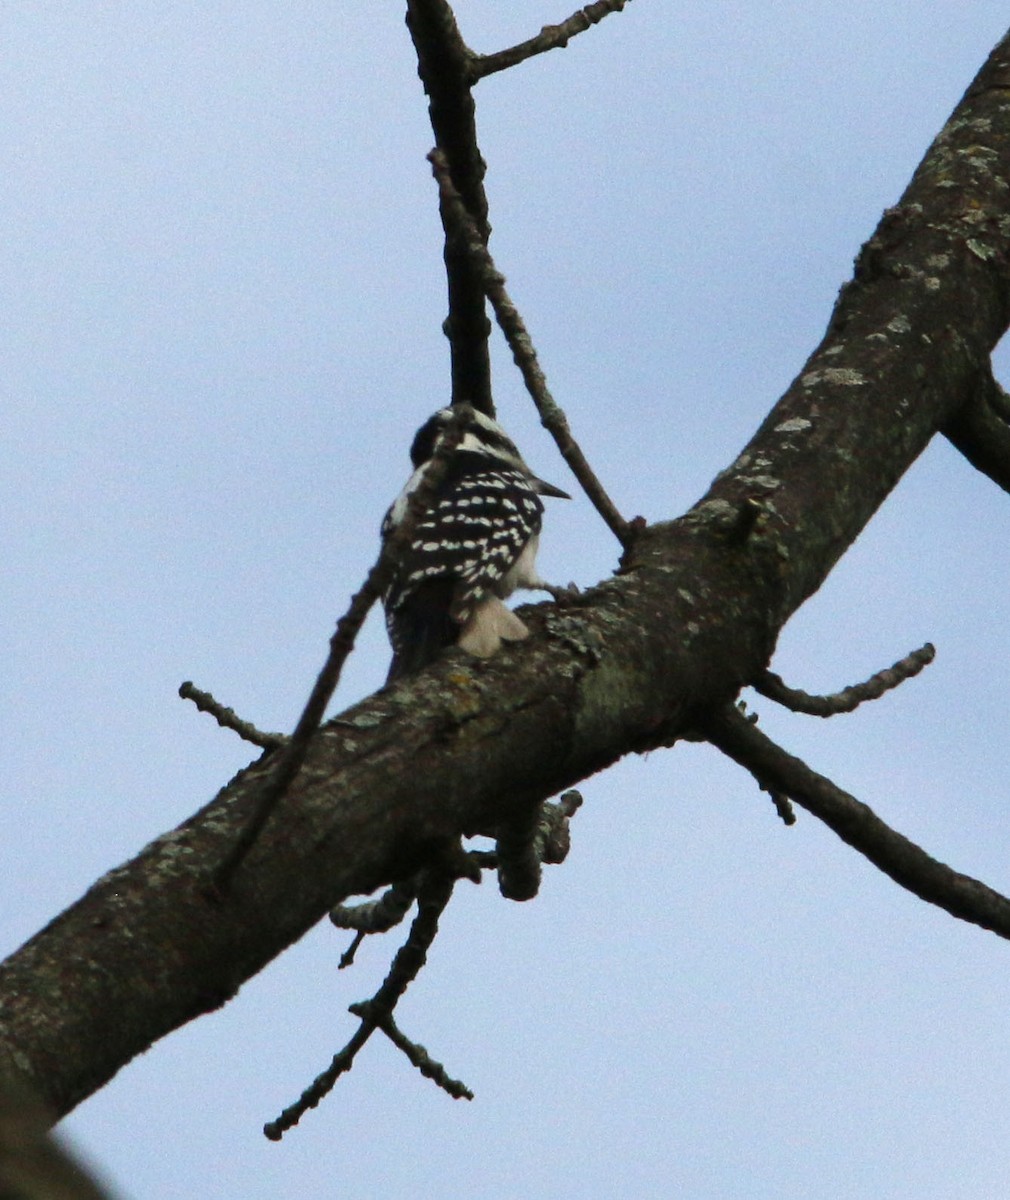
<point>473,535</point>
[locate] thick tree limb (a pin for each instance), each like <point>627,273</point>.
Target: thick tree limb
<point>464,745</point>
<point>444,64</point>
<point>858,825</point>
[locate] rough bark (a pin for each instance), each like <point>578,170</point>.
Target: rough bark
<point>694,614</point>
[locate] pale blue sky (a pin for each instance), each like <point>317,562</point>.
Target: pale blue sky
<point>222,293</point>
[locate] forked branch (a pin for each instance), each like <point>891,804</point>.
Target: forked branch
<point>433,896</point>
<point>432,889</point>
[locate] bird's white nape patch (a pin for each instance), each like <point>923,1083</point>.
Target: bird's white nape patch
<point>505,454</point>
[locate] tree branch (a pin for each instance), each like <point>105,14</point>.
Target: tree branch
<point>434,893</point>
<point>227,718</point>
<point>465,745</point>
<point>771,685</point>
<point>551,37</point>
<point>33,1165</point>
<point>521,345</point>
<point>980,429</point>
<point>377,916</point>
<point>857,824</point>
<point>289,762</point>
<point>444,64</point>
<point>418,1057</point>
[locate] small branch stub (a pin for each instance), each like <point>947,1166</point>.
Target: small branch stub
<point>980,429</point>
<point>434,894</point>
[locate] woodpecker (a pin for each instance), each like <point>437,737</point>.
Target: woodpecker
<point>475,544</point>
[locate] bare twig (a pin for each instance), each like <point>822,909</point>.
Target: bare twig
<point>772,686</point>
<point>341,644</point>
<point>551,37</point>
<point>551,416</point>
<point>321,1085</point>
<point>347,958</point>
<point>434,894</point>
<point>432,889</point>
<point>858,825</point>
<point>228,719</point>
<point>981,430</point>
<point>417,1056</point>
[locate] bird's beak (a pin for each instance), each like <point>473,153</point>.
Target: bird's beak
<point>548,489</point>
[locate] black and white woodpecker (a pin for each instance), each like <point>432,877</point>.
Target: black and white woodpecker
<point>475,544</point>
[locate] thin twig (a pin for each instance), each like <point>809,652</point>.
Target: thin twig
<point>320,1086</point>
<point>418,1056</point>
<point>858,825</point>
<point>551,416</point>
<point>551,37</point>
<point>347,958</point>
<point>341,644</point>
<point>228,719</point>
<point>772,686</point>
<point>433,896</point>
